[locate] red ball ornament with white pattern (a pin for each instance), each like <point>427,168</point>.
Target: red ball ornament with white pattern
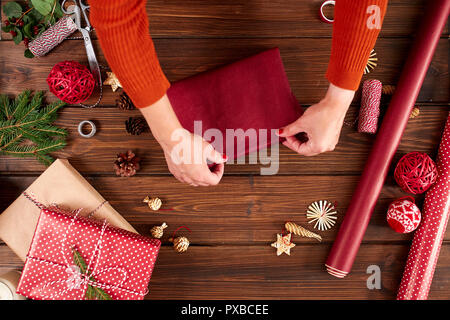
<point>403,215</point>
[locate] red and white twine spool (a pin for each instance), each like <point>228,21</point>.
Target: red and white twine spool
<point>370,106</point>
<point>53,36</point>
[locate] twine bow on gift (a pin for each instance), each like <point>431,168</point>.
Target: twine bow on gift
<point>79,274</point>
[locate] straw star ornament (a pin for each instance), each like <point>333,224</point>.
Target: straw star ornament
<point>283,244</point>
<point>112,81</point>
<point>323,214</point>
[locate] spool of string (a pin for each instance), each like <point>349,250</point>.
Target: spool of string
<point>370,106</point>
<point>53,36</point>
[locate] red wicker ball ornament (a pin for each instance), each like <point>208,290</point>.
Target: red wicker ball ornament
<point>415,172</point>
<point>71,82</point>
<point>403,215</point>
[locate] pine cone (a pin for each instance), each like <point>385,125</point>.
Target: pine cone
<point>136,126</point>
<point>124,102</point>
<point>126,164</point>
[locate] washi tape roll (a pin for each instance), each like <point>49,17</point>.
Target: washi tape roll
<point>322,15</point>
<point>370,106</point>
<point>91,133</point>
<point>53,36</point>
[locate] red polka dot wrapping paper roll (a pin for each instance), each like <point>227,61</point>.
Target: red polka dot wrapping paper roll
<point>119,262</point>
<point>424,252</point>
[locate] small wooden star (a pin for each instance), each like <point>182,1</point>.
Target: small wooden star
<point>283,244</point>
<point>112,81</point>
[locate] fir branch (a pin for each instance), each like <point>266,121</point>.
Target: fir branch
<point>21,102</point>
<point>26,121</point>
<point>52,130</point>
<point>5,106</point>
<point>9,142</point>
<point>34,105</point>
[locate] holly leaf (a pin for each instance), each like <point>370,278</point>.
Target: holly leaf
<point>18,38</point>
<point>12,10</point>
<point>58,13</point>
<point>27,30</point>
<point>44,7</point>
<point>35,15</point>
<point>28,54</point>
<point>7,28</point>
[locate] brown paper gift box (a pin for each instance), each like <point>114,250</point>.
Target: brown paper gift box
<point>60,184</point>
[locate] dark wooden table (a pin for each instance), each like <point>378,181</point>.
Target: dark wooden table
<point>234,223</point>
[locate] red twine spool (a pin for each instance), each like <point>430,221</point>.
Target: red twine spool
<point>53,36</point>
<point>71,82</point>
<point>415,172</point>
<point>370,106</point>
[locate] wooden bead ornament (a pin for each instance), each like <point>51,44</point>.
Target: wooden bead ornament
<point>180,244</point>
<point>388,89</point>
<point>158,231</point>
<point>153,203</point>
<point>300,231</point>
<point>414,113</point>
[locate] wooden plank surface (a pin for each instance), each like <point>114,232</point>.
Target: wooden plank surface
<point>305,60</point>
<point>234,223</point>
<point>255,272</point>
<point>96,155</point>
<point>243,210</point>
<point>261,18</point>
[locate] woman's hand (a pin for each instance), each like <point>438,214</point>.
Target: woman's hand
<point>186,154</point>
<point>322,123</point>
<point>188,157</point>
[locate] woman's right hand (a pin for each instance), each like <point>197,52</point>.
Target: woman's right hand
<point>187,155</point>
<point>188,159</point>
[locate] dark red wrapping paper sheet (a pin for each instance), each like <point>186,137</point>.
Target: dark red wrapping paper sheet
<point>253,93</point>
<point>424,252</point>
<point>353,227</point>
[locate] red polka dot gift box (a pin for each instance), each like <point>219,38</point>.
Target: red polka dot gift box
<point>76,258</point>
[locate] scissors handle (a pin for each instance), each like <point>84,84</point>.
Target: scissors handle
<point>84,8</point>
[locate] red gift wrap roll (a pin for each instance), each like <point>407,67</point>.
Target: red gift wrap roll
<point>351,232</point>
<point>427,241</point>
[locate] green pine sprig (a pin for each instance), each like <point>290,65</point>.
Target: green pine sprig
<point>26,127</point>
<point>92,293</point>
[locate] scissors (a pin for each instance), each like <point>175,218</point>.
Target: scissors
<point>74,8</point>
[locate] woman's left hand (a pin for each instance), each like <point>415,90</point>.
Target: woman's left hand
<point>321,122</point>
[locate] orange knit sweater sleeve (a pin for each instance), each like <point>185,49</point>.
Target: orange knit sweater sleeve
<point>123,30</point>
<point>356,26</point>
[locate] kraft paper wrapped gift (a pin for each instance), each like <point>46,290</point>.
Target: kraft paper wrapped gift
<point>60,184</point>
